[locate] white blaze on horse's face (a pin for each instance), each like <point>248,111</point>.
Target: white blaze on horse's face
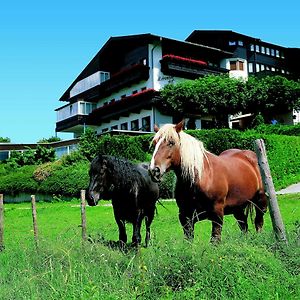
<point>161,159</point>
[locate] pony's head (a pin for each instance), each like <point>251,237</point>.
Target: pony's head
<point>99,186</point>
<point>176,149</point>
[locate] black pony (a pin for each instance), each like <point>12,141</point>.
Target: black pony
<point>131,190</point>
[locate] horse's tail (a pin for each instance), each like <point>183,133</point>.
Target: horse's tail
<point>250,211</point>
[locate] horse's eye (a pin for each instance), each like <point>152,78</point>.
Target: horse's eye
<point>171,143</point>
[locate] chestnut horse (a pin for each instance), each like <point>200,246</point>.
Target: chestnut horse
<point>208,186</point>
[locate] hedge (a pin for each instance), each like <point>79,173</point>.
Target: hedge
<point>279,129</point>
<point>68,176</point>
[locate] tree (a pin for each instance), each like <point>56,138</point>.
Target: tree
<point>4,140</point>
<point>272,95</point>
<point>89,144</point>
<point>220,96</point>
<point>52,139</point>
<point>214,95</point>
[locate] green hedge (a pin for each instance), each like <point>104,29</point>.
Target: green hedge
<point>279,129</point>
<point>68,176</point>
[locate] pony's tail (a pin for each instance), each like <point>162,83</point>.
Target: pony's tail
<point>250,211</point>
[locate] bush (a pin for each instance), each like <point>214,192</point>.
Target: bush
<point>122,146</point>
<point>31,157</point>
<point>20,181</point>
<point>279,129</point>
<point>70,175</point>
<point>67,181</point>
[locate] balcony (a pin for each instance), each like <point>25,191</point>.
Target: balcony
<point>123,78</point>
<point>188,68</point>
<point>124,106</point>
<point>71,117</point>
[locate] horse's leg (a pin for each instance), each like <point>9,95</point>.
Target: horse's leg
<point>136,237</point>
<point>187,224</point>
<point>260,209</point>
<point>148,221</point>
<point>121,224</point>
<point>122,230</point>
<point>241,218</point>
<point>217,221</point>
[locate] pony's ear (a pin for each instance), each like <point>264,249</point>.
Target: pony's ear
<point>179,126</point>
<point>156,128</point>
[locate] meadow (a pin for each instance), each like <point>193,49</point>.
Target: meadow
<point>251,266</point>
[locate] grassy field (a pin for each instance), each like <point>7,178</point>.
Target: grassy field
<point>251,266</point>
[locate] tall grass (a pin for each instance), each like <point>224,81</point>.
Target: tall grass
<point>251,266</point>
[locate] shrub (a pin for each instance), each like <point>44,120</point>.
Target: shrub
<point>279,129</point>
<point>67,181</point>
<point>31,157</point>
<point>122,146</point>
<point>15,182</point>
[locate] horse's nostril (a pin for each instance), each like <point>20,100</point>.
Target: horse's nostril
<point>157,170</point>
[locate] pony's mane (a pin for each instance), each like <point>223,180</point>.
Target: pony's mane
<point>124,173</point>
<point>192,151</point>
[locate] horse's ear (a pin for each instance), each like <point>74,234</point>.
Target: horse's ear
<point>156,128</point>
<point>179,126</point>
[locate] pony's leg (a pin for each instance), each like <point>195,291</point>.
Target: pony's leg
<point>148,221</point>
<point>260,210</point>
<point>122,231</point>
<point>136,237</point>
<point>241,218</point>
<point>217,222</point>
<point>187,224</point>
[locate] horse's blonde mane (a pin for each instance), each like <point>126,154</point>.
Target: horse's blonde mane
<point>192,151</point>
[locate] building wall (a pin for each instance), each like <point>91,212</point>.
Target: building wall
<point>132,116</point>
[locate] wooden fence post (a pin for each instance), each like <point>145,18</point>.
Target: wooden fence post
<point>83,214</point>
<point>34,219</point>
<point>1,223</point>
<point>275,214</point>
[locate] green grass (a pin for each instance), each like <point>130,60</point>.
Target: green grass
<point>251,266</point>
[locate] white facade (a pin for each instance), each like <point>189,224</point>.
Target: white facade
<point>157,80</point>
<point>241,68</point>
<point>74,109</point>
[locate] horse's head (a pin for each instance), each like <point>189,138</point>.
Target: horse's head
<point>167,150</point>
<point>99,181</point>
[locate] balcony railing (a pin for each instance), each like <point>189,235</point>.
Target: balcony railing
<point>74,109</point>
<point>187,67</point>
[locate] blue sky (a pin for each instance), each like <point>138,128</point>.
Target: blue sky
<point>45,44</point>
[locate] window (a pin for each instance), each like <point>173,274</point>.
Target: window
<point>231,43</point>
<point>123,96</point>
<point>257,68</point>
<point>104,129</point>
<point>146,124</point>
<point>124,126</point>
<point>143,88</point>
<point>115,127</point>
<point>263,50</point>
<point>240,43</point>
<point>268,51</point>
<point>232,65</point>
<point>135,125</point>
<point>257,48</point>
<point>277,53</point>
<point>236,65</point>
<point>251,47</point>
<point>272,52</point>
<point>282,55</point>
<point>250,67</point>
<point>262,67</point>
<point>241,65</point>
<point>134,92</point>
<point>267,68</point>
<point>273,69</point>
